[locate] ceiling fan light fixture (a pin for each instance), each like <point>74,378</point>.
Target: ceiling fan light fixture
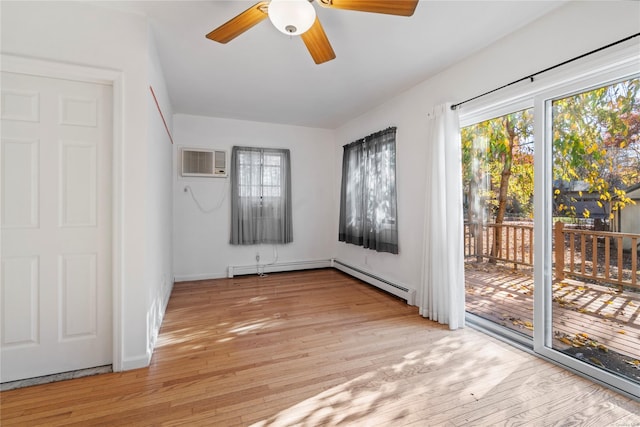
<point>292,17</point>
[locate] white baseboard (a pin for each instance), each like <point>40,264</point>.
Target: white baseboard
<point>130,363</point>
<point>388,285</point>
<point>239,270</point>
<point>204,276</point>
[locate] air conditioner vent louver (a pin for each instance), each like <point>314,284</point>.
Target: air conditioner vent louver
<point>204,163</point>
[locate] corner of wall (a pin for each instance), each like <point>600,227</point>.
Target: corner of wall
<point>156,313</point>
<point>159,199</point>
<point>136,362</point>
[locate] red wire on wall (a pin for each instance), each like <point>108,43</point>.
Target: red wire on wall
<point>161,115</point>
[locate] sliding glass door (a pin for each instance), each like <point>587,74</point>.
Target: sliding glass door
<point>551,185</point>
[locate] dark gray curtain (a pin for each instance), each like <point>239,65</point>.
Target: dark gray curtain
<point>260,196</point>
<point>368,193</point>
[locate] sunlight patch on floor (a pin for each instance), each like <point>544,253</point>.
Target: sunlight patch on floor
<point>245,329</point>
<point>225,330</point>
<point>396,389</point>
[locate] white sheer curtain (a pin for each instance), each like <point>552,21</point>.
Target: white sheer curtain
<point>441,291</point>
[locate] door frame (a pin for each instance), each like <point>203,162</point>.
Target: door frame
<point>48,68</point>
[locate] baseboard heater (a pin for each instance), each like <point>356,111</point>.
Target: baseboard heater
<point>240,270</point>
<point>400,291</point>
<point>386,285</point>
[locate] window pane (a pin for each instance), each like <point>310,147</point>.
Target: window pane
<point>249,173</point>
<point>498,202</point>
<point>272,160</point>
<point>596,215</point>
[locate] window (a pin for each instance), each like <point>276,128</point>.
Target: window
<point>368,193</point>
<point>260,196</point>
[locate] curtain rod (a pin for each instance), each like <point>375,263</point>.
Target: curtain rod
<point>531,76</point>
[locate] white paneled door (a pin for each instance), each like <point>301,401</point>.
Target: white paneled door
<point>56,308</point>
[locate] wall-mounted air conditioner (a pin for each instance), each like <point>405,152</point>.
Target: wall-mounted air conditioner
<point>204,163</point>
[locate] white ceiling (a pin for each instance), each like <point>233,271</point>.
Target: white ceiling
<point>264,75</point>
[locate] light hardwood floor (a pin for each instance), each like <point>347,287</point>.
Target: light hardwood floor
<point>318,348</point>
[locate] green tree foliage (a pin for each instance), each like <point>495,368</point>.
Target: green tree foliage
<point>498,166</point>
<point>596,140</point>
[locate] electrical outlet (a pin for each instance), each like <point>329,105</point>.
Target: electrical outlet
<point>257,257</point>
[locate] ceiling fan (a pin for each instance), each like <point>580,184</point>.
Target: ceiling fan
<point>298,17</point>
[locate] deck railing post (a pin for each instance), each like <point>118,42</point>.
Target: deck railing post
<point>479,241</point>
<point>558,235</point>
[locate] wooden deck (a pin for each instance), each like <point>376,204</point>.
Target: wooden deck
<point>581,312</point>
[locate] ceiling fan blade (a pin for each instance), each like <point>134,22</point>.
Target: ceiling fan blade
<point>389,7</point>
<point>317,43</point>
<point>241,23</point>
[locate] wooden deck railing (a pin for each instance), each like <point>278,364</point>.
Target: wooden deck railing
<point>507,242</point>
<point>596,255</point>
<point>578,253</point>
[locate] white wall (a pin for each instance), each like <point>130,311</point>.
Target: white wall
<point>85,34</point>
<point>201,240</point>
<point>573,29</point>
<point>159,222</point>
